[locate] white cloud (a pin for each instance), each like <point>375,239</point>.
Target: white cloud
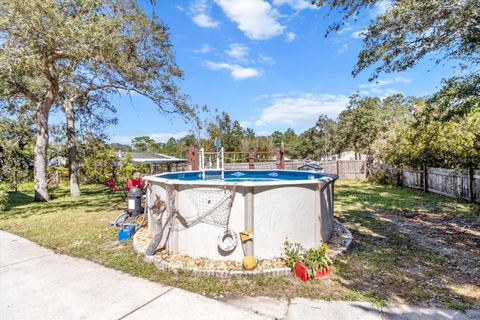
<point>236,71</point>
<point>246,124</point>
<point>343,48</point>
<point>205,49</point>
<point>158,137</point>
<point>204,21</point>
<point>290,36</point>
<point>272,96</point>
<point>296,4</point>
<point>257,19</point>
<point>346,28</point>
<point>360,34</point>
<point>266,59</point>
<point>200,15</point>
<point>163,137</point>
<point>301,109</point>
<point>382,83</point>
<point>237,51</point>
<point>378,88</point>
<point>380,93</point>
<point>179,8</point>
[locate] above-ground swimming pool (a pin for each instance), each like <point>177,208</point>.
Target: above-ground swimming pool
<point>268,206</point>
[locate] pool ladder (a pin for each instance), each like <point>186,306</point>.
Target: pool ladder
<point>220,162</point>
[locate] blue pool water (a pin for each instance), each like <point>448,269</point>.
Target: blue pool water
<point>246,175</point>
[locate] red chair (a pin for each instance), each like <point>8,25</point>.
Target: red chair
<point>114,189</point>
<point>130,184</point>
<point>139,183</point>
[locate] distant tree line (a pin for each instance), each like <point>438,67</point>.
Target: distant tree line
<point>440,130</point>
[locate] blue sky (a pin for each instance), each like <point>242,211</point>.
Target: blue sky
<point>267,63</point>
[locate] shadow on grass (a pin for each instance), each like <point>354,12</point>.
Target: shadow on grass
<point>386,262</point>
<point>19,198</point>
<point>93,198</point>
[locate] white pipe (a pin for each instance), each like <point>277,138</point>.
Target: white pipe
<point>202,162</point>
<point>221,161</point>
<point>202,159</point>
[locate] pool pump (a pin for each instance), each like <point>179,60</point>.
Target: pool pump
<point>134,198</point>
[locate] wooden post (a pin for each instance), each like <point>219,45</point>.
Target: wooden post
<point>471,194</point>
<point>249,218</point>
<point>251,159</point>
<point>190,157</point>
<point>193,153</point>
<point>425,178</point>
<point>281,156</point>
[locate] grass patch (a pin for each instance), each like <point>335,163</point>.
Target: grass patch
<point>458,305</point>
<point>393,258</point>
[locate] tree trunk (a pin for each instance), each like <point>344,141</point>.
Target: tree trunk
<point>41,146</point>
<point>425,178</point>
<point>72,148</point>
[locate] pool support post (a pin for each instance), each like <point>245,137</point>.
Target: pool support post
<point>173,239</point>
<point>317,241</point>
<point>249,218</point>
<point>324,214</point>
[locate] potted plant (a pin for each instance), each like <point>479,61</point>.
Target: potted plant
<point>313,263</point>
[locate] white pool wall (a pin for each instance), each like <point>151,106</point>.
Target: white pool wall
<point>300,211</point>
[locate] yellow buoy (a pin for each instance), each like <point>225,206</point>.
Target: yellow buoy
<point>249,262</point>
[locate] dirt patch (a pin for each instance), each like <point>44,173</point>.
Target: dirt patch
<point>453,240</point>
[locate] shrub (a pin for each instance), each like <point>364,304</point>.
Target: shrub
<point>383,174</point>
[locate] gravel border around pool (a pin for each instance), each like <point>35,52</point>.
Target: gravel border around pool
<point>342,237</point>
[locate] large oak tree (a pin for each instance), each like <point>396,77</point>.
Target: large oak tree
<point>49,45</point>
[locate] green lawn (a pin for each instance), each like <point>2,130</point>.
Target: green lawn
<point>408,246</point>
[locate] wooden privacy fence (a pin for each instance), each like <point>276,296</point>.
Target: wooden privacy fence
<point>453,183</point>
<point>346,169</point>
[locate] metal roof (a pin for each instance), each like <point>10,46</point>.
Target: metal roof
<point>151,157</point>
<point>311,166</point>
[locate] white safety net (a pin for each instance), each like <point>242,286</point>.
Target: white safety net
<point>213,205</point>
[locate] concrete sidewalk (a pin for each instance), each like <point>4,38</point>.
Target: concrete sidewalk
<point>36,283</point>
